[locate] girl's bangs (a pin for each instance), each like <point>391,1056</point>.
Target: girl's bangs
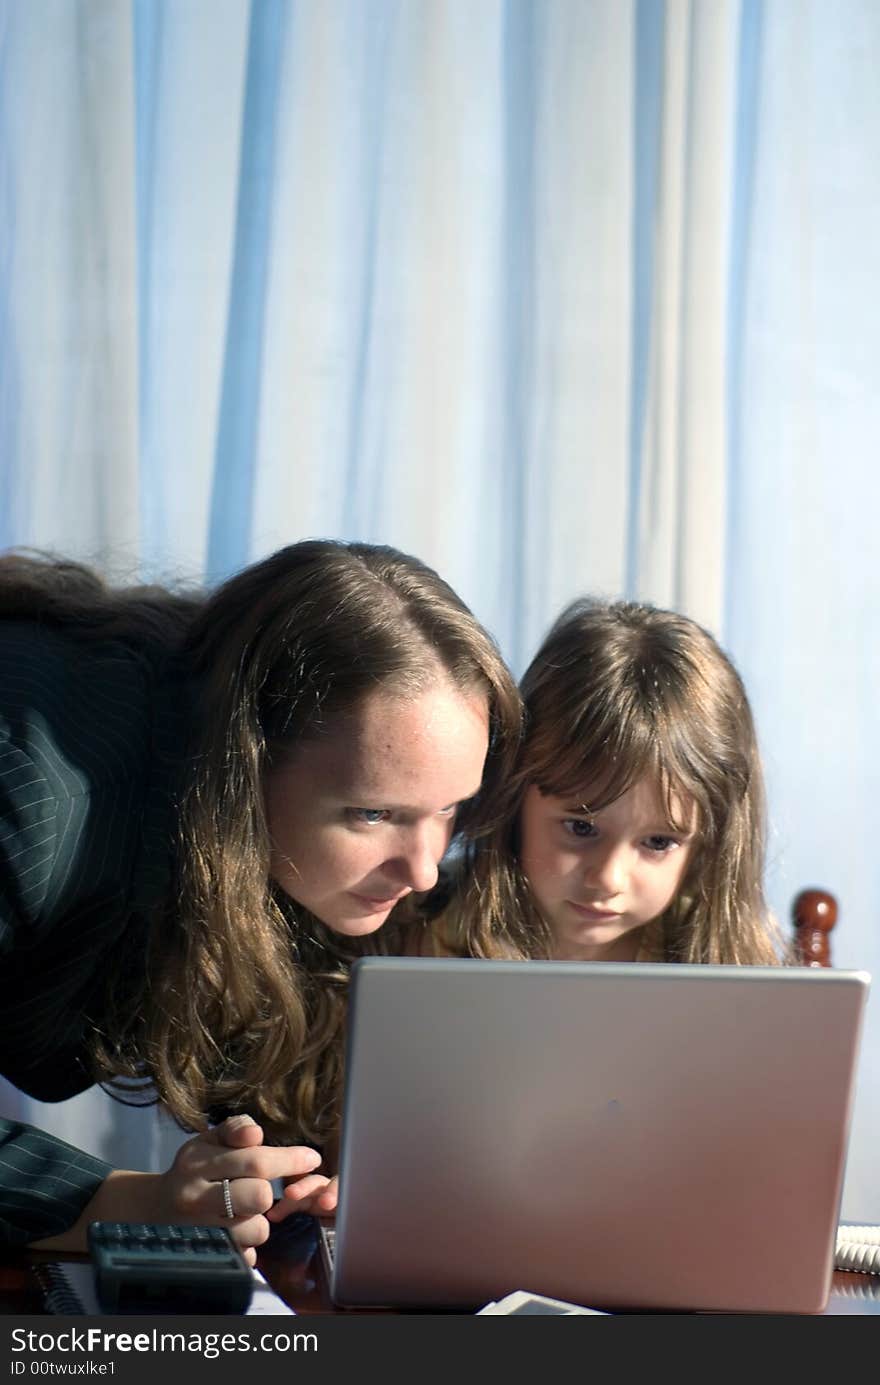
<point>607,769</point>
<point>600,777</point>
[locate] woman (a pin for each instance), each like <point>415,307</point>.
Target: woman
<point>209,805</point>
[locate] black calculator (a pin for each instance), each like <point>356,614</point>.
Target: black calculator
<point>147,1267</point>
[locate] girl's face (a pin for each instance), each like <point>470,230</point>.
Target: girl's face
<point>361,816</point>
<point>598,879</point>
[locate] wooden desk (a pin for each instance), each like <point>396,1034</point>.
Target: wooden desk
<point>294,1270</point>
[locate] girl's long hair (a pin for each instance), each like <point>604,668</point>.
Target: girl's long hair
<point>243,1001</point>
<point>619,691</point>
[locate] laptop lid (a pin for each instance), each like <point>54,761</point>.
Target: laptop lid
<point>618,1136</point>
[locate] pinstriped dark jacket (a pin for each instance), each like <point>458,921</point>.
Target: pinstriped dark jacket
<point>88,734</point>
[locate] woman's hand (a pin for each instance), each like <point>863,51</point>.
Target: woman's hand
<point>193,1186</point>
<point>313,1193</point>
<point>191,1191</point>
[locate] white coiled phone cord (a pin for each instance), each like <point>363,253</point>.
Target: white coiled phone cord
<point>857,1248</point>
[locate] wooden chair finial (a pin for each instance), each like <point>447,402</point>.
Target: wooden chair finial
<point>814,914</point>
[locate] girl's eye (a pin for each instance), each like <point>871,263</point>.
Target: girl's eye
<point>370,816</point>
<point>660,844</point>
<point>579,827</point>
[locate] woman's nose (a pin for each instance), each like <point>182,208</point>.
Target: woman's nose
<point>421,855</point>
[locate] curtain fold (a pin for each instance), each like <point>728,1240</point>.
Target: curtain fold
<point>680,551</point>
<point>69,302</point>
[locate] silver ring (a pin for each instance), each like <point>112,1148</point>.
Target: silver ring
<point>227,1200</point>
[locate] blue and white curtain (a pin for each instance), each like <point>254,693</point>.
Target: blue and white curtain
<point>564,296</point>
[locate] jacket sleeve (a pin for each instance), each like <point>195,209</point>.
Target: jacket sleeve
<point>44,1183</point>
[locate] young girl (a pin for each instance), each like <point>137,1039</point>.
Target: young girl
<point>636,825</point>
<point>208,804</point>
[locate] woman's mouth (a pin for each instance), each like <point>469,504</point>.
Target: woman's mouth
<point>376,904</point>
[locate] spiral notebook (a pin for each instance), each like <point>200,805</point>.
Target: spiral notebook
<point>69,1288</point>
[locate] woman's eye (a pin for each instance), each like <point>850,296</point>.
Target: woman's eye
<point>579,827</point>
<point>660,844</point>
<point>370,816</point>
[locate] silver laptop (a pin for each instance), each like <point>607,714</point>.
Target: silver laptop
<point>622,1137</point>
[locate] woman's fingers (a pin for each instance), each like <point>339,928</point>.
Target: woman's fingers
<point>249,1197</point>
<point>234,1151</point>
<point>238,1132</point>
<point>249,1233</point>
<point>213,1156</point>
<point>298,1196</point>
<point>321,1200</point>
<point>263,1161</point>
<point>328,1200</point>
<point>315,1194</point>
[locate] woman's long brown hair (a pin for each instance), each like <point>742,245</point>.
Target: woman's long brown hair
<point>243,1001</point>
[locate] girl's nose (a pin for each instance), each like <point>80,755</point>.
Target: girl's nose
<point>607,871</point>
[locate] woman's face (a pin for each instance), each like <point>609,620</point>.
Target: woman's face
<point>361,814</point>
